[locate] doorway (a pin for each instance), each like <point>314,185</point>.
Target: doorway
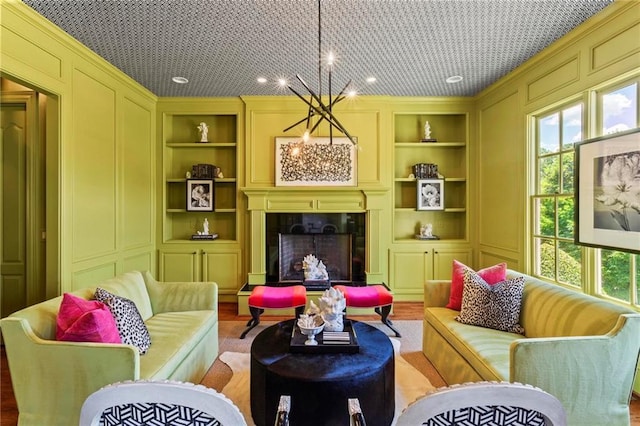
<point>24,212</point>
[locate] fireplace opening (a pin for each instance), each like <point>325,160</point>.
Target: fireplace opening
<point>337,239</point>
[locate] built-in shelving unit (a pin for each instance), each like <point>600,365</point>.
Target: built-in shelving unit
<point>450,155</point>
<point>180,257</point>
<point>180,154</point>
<point>413,260</point>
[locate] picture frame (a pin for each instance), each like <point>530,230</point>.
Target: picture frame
<point>430,194</point>
<point>607,199</point>
<point>200,195</point>
<point>316,162</point>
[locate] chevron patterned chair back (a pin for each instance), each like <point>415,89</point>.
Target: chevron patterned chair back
<point>145,402</point>
<point>483,404</point>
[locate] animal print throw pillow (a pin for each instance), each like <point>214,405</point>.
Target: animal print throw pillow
<point>131,327</point>
<point>492,306</point>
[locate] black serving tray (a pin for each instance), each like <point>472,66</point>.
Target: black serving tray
<point>297,342</point>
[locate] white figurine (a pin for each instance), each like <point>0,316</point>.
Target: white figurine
<point>426,231</point>
<point>427,130</point>
<point>204,130</point>
<point>205,227</point>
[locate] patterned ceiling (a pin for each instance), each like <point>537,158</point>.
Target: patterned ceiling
<point>409,46</point>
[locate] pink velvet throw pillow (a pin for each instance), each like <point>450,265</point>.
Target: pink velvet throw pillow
<point>81,320</point>
<point>491,275</point>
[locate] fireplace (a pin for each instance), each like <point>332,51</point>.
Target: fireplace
<point>337,239</point>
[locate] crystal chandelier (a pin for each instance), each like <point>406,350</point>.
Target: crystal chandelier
<point>317,109</point>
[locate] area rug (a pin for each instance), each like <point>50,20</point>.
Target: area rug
<point>410,383</point>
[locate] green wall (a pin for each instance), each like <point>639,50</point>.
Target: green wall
<point>606,48</point>
<point>105,141</point>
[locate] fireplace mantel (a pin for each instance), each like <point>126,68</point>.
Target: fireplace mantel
<point>314,200</point>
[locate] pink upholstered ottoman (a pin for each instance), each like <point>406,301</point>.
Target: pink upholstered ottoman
<point>371,296</point>
<point>266,297</point>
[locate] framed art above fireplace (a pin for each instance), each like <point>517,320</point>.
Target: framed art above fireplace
<point>315,162</point>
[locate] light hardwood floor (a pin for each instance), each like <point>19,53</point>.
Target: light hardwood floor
<point>228,312</point>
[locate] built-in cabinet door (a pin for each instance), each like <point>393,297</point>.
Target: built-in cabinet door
<point>222,268</point>
<point>409,269</point>
<point>179,265</point>
<point>443,261</point>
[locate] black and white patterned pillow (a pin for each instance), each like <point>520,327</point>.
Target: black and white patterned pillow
<point>494,306</point>
<point>131,327</point>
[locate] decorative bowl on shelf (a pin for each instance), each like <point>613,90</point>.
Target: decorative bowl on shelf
<point>310,326</point>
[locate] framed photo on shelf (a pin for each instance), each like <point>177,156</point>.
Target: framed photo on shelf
<point>430,194</point>
<point>200,195</point>
<point>316,162</point>
<point>607,194</point>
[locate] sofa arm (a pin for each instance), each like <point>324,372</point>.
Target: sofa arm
<point>52,379</point>
<point>436,293</point>
<point>591,375</point>
<point>181,296</point>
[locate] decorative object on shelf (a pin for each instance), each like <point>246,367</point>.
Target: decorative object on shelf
<point>315,162</point>
<point>188,175</point>
<point>607,181</point>
<point>205,171</point>
<point>200,195</point>
<point>321,110</point>
<point>310,325</point>
<point>426,233</point>
<point>427,133</point>
<point>412,176</point>
<point>204,131</point>
<point>204,234</point>
<point>331,308</point>
<point>425,171</point>
<point>430,194</point>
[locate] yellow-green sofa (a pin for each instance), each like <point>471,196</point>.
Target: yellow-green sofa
<point>51,379</point>
<point>581,349</point>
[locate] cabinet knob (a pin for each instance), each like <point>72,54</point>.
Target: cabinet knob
<point>435,252</point>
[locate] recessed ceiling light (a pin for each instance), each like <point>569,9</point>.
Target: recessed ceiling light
<point>262,80</point>
<point>454,79</point>
<point>179,80</point>
<point>371,79</point>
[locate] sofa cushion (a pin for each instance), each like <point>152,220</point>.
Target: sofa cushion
<point>130,285</point>
<point>175,335</point>
<point>491,275</point>
<point>496,306</point>
<point>550,310</point>
<point>131,327</point>
<point>485,349</point>
<point>81,320</point>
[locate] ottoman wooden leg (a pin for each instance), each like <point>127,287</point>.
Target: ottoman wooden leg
<point>255,320</point>
<point>384,312</point>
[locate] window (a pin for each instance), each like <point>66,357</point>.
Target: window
<point>618,273</point>
<point>556,257</point>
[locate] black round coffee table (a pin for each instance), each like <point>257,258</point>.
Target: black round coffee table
<point>321,384</point>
